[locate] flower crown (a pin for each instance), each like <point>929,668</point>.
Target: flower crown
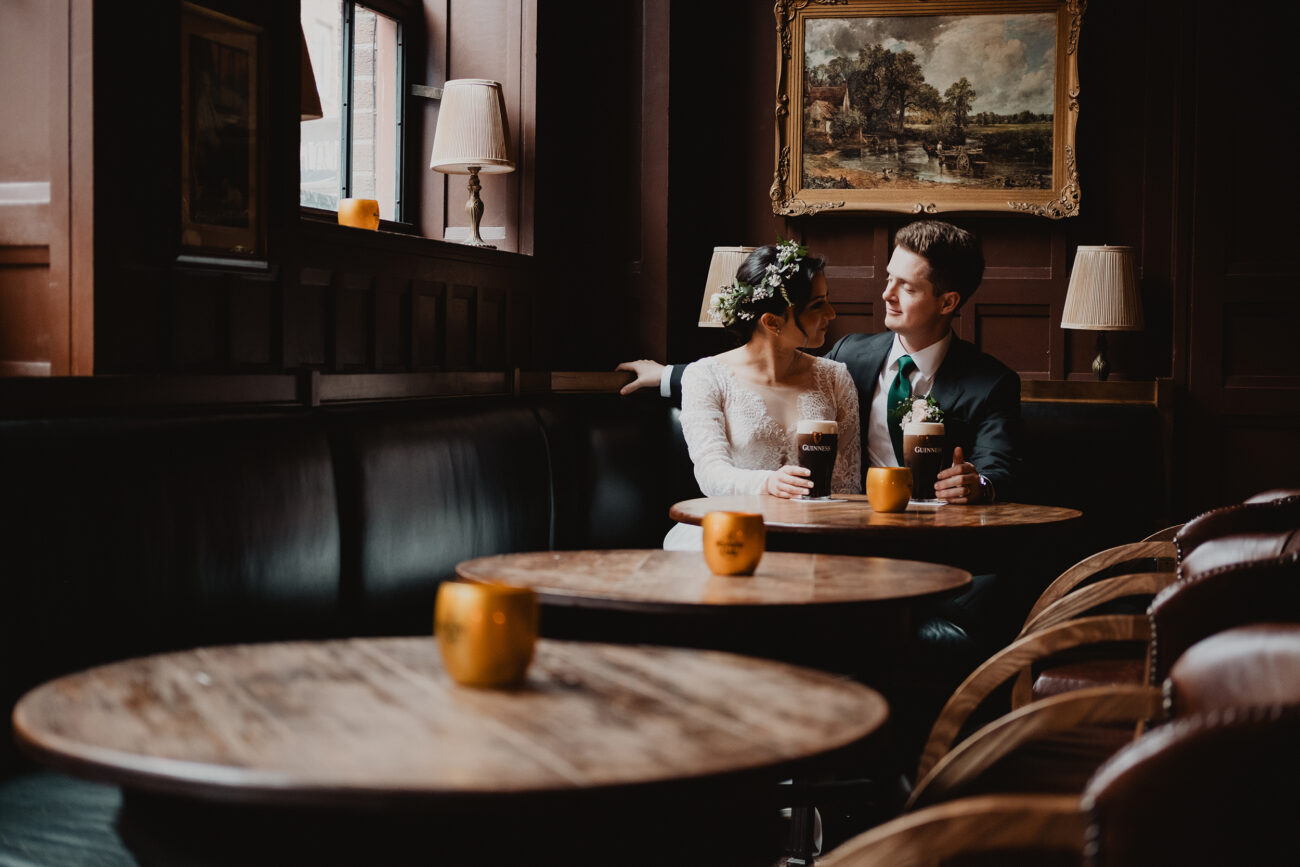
<point>732,303</point>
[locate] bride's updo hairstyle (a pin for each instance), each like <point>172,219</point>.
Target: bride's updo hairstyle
<point>770,279</point>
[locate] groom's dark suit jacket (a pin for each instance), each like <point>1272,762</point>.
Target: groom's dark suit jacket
<point>979,396</point>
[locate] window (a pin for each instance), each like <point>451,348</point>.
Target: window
<point>355,150</point>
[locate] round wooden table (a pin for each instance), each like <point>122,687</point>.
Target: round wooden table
<point>674,581</point>
<point>826,610</point>
<point>613,745</point>
<point>967,536</point>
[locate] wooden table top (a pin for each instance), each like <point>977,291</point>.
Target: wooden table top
<point>675,580</point>
<point>852,514</point>
<point>368,722</point>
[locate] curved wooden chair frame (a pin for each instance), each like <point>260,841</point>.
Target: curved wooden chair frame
<point>1165,535</point>
<point>1095,563</point>
<point>1009,661</point>
<point>1102,705</point>
<point>1084,599</point>
<point>988,823</point>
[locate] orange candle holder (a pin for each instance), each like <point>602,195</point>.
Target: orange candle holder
<point>733,542</point>
<point>889,488</point>
<point>486,633</point>
<point>361,213</point>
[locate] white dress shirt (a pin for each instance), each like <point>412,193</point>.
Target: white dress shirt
<point>880,448</point>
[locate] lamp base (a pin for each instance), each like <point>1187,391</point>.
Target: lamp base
<point>1100,366</point>
<point>474,208</point>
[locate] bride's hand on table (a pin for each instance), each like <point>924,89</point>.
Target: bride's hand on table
<point>788,482</point>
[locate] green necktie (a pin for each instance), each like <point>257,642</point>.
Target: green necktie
<point>899,391</point>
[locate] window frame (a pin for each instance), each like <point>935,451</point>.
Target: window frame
<point>400,13</point>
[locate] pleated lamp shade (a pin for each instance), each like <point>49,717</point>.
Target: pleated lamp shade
<point>472,129</point>
<point>1103,293</point>
<point>722,270</point>
<point>311,109</point>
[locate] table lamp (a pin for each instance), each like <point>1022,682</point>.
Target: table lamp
<point>1102,296</point>
<point>722,270</point>
<point>472,136</point>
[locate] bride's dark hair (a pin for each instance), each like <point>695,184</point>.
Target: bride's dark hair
<point>798,286</point>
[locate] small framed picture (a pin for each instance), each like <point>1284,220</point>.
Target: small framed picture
<point>222,212</point>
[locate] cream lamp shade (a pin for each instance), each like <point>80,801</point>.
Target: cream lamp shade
<point>1102,296</point>
<point>722,270</point>
<point>1103,293</point>
<point>472,129</point>
<point>472,136</point>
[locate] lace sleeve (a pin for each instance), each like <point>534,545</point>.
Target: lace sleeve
<point>847,475</point>
<point>704,424</point>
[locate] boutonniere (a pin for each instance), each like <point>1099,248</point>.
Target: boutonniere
<point>918,409</point>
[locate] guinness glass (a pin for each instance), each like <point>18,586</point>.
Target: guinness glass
<point>818,441</point>
<point>923,454</point>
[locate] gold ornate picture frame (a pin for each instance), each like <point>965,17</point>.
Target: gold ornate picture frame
<point>923,106</point>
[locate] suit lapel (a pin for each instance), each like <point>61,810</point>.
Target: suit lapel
<point>947,388</point>
<point>865,367</point>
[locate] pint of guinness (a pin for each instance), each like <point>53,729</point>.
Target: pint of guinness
<point>923,454</point>
<point>818,440</point>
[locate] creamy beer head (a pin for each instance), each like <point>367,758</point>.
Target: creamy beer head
<point>923,428</point>
<point>822,426</point>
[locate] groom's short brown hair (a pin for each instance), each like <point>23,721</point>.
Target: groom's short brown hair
<point>955,257</point>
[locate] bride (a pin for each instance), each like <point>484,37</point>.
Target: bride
<point>741,408</point>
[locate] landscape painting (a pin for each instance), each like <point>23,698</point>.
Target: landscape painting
<point>929,112</point>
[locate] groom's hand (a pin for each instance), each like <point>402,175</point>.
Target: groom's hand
<point>959,483</point>
<point>648,374</point>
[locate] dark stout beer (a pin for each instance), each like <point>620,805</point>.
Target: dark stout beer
<point>923,454</point>
<point>818,440</point>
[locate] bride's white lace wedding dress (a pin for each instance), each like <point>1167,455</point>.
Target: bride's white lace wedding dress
<point>737,433</point>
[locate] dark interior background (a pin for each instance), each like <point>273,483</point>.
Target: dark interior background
<point>654,142</point>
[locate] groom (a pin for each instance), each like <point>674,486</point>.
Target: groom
<point>934,269</point>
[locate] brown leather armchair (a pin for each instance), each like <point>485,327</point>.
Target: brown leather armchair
<point>1217,784</point>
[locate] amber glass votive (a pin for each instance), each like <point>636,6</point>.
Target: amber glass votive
<point>733,542</point>
<point>361,213</point>
<point>889,488</point>
<point>485,632</point>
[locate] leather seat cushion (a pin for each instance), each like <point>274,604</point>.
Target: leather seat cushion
<point>1064,678</point>
<point>1246,666</point>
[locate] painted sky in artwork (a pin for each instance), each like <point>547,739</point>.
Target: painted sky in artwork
<point>1009,59</point>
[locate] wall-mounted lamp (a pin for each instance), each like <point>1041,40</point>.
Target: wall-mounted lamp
<point>1103,296</point>
<point>472,136</point>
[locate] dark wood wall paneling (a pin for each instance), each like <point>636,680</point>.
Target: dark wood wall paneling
<point>1244,367</point>
<point>601,192</point>
<point>327,297</point>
